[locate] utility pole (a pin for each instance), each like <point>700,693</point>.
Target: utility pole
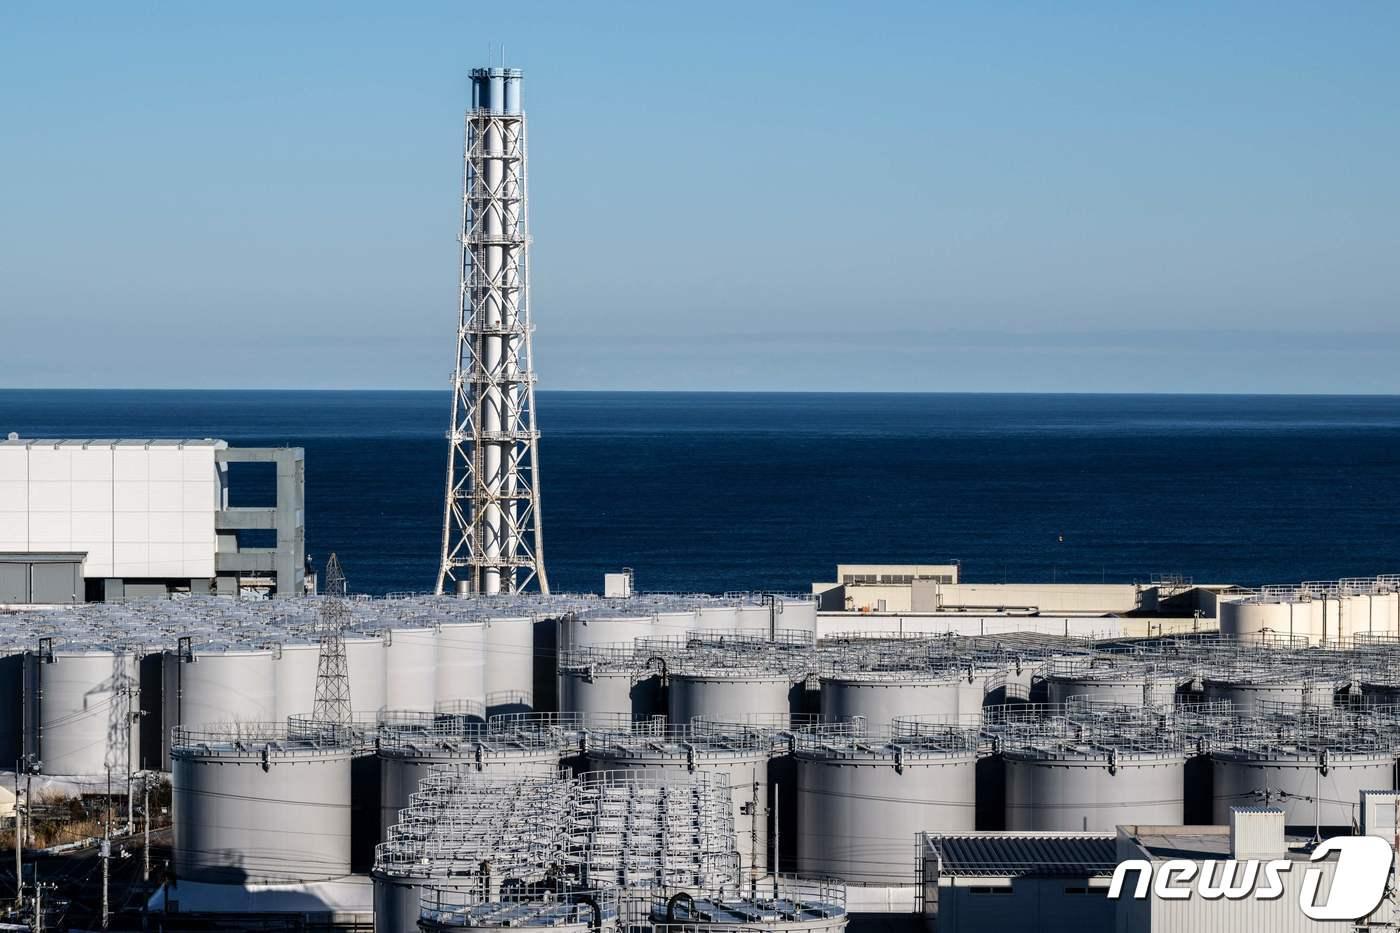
<point>777,838</point>
<point>19,844</point>
<point>105,852</point>
<point>146,826</point>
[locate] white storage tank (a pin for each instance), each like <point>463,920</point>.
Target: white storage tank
<point>1087,787</point>
<point>462,663</point>
<point>364,657</point>
<point>408,753</point>
<point>1314,763</point>
<point>254,807</point>
<point>609,683</point>
<point>754,619</point>
<point>410,669</point>
<point>88,708</point>
<point>797,613</point>
<point>674,622</point>
<point>294,668</point>
<point>717,617</point>
<point>860,800</point>
<point>740,756</point>
<point>880,696</point>
<point>221,684</point>
<point>728,694</point>
<point>1130,685</point>
<point>1249,694</point>
<point>466,834</point>
<point>585,629</point>
<point>510,665</point>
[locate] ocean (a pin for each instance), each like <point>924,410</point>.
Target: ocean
<point>712,492</point>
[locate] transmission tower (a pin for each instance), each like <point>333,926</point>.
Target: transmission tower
<point>332,671</point>
<point>491,540</point>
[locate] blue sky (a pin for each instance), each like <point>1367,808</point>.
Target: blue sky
<point>885,196</point>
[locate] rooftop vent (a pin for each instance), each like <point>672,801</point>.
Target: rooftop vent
<point>1256,833</point>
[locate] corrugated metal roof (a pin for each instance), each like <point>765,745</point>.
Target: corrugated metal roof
<point>1001,854</point>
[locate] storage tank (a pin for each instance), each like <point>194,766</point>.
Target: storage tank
<point>510,665</point>
<point>1278,612</point>
<point>674,622</point>
<point>860,800</point>
<point>408,752</point>
<point>252,806</point>
<point>461,823</point>
<point>221,684</point>
<point>88,710</point>
<point>364,657</point>
<point>1250,693</point>
<point>461,663</point>
<point>578,630</point>
<point>294,668</point>
<point>611,682</point>
<point>880,696</point>
<point>797,614</point>
<point>717,617</point>
<point>1089,764</point>
<point>728,695</point>
<point>755,619</point>
<point>1083,787</point>
<point>1298,759</point>
<point>653,830</point>
<point>1128,684</point>
<point>741,756</point>
<point>410,669</point>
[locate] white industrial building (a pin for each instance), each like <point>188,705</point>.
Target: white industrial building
<point>104,519</point>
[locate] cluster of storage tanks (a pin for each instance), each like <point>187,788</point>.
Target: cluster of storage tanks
<point>832,752</point>
<point>100,687</point>
<point>1329,612</point>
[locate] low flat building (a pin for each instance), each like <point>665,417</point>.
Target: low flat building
<point>1048,882</point>
<point>110,519</point>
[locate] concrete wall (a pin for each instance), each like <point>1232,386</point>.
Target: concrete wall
<point>136,508</point>
<point>833,623</point>
<point>929,596</point>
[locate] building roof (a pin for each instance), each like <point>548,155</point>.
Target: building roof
<point>1002,854</point>
<point>14,440</point>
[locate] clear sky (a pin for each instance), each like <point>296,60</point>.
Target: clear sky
<point>881,196</point>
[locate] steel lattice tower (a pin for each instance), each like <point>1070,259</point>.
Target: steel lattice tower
<point>332,669</point>
<point>491,541</point>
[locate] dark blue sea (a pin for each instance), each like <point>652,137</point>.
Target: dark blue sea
<point>715,492</point>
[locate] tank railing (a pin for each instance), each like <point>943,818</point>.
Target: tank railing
<point>610,656</point>
<point>780,898</point>
<point>913,725</point>
<point>679,739</point>
<point>776,729</point>
<point>924,737</point>
<point>458,733</point>
<point>518,904</point>
<point>565,725</point>
<point>1307,733</point>
<point>243,624</point>
<point>250,735</point>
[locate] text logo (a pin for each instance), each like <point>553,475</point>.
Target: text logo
<point>1358,882</point>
